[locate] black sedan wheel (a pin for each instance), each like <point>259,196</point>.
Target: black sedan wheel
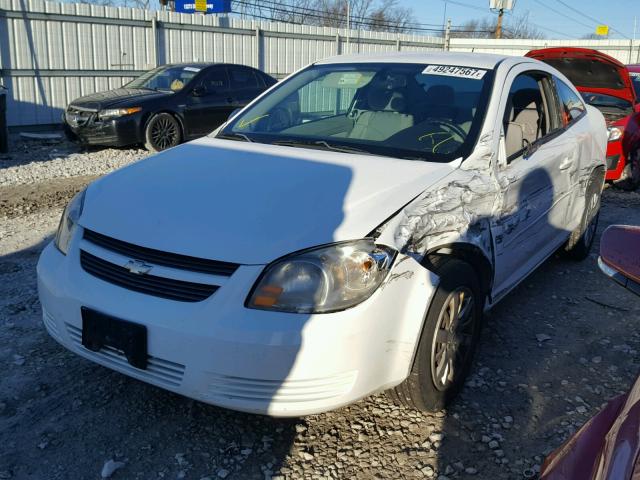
<point>162,132</point>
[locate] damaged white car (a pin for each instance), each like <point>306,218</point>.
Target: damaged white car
<point>341,235</point>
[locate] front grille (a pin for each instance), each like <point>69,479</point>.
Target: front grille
<point>159,370</point>
<point>224,387</point>
<point>77,117</point>
<point>149,284</point>
<point>158,257</point>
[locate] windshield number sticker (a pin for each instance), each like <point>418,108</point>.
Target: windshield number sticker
<point>191,69</point>
<point>452,71</point>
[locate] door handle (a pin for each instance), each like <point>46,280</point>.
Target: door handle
<point>566,163</point>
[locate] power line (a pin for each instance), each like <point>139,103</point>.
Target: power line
<point>563,14</point>
<point>575,10</point>
<point>306,12</point>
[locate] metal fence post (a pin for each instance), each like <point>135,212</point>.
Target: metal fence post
<point>338,44</point>
<point>447,36</point>
<point>398,43</point>
<point>154,35</point>
<point>259,51</point>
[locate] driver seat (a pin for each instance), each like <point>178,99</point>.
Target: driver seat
<point>384,118</point>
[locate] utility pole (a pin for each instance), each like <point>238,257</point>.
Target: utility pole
<point>499,24</point>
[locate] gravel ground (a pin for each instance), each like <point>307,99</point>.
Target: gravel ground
<point>551,354</point>
<point>35,161</point>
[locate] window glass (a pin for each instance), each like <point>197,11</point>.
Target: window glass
<point>243,78</point>
<point>401,110</point>
<point>216,81</point>
<point>527,113</point>
<point>635,79</point>
<point>165,78</point>
<point>572,106</point>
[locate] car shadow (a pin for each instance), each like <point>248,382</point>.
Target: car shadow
<point>544,366</point>
<point>78,406</point>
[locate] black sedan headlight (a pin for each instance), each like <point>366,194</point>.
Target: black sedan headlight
<point>323,279</point>
<point>110,113</point>
<point>69,221</point>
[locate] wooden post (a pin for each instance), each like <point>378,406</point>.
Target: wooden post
<point>499,25</point>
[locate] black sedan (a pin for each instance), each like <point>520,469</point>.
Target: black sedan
<point>164,106</point>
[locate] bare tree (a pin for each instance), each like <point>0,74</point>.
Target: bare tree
<point>516,26</point>
<point>385,15</point>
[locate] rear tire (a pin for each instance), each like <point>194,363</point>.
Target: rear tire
<point>448,341</point>
<point>581,240</point>
<point>162,132</point>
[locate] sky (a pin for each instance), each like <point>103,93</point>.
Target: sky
<point>618,14</point>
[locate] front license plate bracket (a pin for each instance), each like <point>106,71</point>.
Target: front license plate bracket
<point>100,330</point>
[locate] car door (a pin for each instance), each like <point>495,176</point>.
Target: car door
<point>536,155</point>
<point>209,103</point>
<point>245,84</point>
<point>573,111</point>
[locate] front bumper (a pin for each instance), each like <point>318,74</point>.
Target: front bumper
<point>117,132</point>
<point>219,352</point>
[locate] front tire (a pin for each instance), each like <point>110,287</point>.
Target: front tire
<point>162,132</point>
<point>448,341</point>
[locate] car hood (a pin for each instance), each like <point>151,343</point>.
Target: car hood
<point>589,70</point>
<point>251,203</point>
<point>119,97</point>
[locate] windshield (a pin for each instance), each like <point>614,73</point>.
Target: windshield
<point>601,100</point>
<point>170,79</point>
<point>425,112</point>
<point>635,79</point>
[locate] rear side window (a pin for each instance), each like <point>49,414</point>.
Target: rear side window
<point>571,105</point>
<point>216,81</point>
<point>243,78</point>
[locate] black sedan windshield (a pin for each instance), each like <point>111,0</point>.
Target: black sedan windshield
<point>171,78</point>
<point>426,112</point>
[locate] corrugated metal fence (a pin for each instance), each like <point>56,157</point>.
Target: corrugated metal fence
<point>51,53</point>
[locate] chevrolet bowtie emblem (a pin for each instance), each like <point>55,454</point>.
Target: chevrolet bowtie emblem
<point>137,267</point>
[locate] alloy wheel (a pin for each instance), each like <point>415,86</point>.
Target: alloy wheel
<point>453,337</point>
<point>164,133</point>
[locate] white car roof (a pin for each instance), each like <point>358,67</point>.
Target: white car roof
<point>476,60</point>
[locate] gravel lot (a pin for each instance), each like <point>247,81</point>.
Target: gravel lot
<point>551,353</point>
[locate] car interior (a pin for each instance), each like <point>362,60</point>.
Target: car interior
<point>527,117</point>
<point>428,113</point>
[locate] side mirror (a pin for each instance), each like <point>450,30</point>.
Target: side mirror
<point>618,256</point>
<point>198,91</point>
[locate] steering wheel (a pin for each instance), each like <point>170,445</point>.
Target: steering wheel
<point>455,129</point>
<point>279,119</point>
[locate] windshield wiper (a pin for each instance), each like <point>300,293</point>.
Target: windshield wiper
<point>322,145</point>
<point>234,136</point>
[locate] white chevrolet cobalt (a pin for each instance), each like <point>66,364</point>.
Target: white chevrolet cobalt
<point>340,236</point>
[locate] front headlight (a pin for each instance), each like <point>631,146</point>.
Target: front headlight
<point>323,279</point>
<point>117,112</point>
<point>614,133</point>
<point>69,221</point>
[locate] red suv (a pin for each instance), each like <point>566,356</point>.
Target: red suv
<point>606,84</point>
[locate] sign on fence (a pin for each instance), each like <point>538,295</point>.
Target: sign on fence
<point>203,6</point>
